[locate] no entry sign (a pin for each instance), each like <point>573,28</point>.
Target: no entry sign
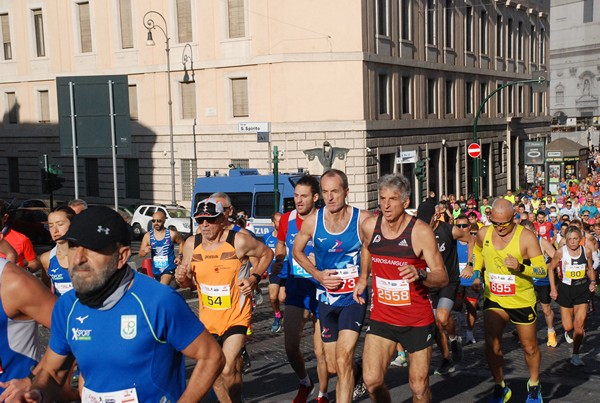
<point>474,150</point>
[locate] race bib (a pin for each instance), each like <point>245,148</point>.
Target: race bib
<point>461,267</point>
<point>161,262</point>
<point>393,292</point>
<point>62,288</point>
<point>349,276</point>
<point>217,297</point>
<point>573,272</point>
<point>119,396</point>
<point>502,285</point>
<point>298,271</point>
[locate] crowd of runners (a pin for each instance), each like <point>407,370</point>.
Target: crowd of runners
<point>406,277</point>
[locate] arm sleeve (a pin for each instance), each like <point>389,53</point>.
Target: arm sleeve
<point>478,263</point>
<point>537,268</point>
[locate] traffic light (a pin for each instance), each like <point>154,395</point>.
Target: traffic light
<point>483,167</point>
<point>51,179</point>
<point>420,171</point>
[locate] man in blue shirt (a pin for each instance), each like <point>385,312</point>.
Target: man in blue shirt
<point>139,328</point>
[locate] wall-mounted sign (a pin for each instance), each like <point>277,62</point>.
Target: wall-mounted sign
<point>534,152</point>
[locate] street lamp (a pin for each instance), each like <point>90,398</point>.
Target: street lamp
<point>149,24</point>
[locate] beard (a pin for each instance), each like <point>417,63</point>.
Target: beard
<point>88,280</point>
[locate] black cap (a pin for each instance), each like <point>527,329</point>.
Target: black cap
<point>208,208</point>
<point>97,227</point>
<point>425,211</point>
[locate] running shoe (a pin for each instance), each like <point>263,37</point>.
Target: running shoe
<point>457,349</point>
<point>247,363</point>
<point>249,331</point>
<point>568,338</point>
<point>446,368</point>
<point>276,325</point>
<point>400,360</point>
<point>552,339</point>
<point>471,340</point>
<point>304,393</point>
<point>359,385</point>
<point>576,361</point>
<point>501,394</point>
<point>534,393</point>
<point>323,399</point>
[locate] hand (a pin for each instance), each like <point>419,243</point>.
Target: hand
<point>14,390</point>
<point>511,262</point>
<point>593,287</point>
<point>33,396</point>
<point>467,272</point>
<point>246,286</point>
<point>177,260</point>
<point>553,294</point>
<point>148,249</point>
<point>360,287</point>
<point>409,273</point>
<point>329,279</point>
<point>477,284</point>
<point>181,273</point>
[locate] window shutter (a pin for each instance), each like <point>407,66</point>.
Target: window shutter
<point>6,36</point>
<point>188,100</point>
<point>126,29</point>
<point>184,21</point>
<point>13,114</point>
<point>44,107</point>
<point>85,27</point>
<point>239,87</point>
<point>237,27</point>
<point>133,103</point>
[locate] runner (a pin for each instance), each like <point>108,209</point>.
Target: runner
<point>509,295</point>
<point>78,205</point>
<point>443,299</point>
<point>118,324</point>
<point>334,231</point>
<point>217,260</point>
<point>276,281</point>
<point>301,303</point>
<point>577,280</point>
<point>160,243</point>
<point>55,261</point>
<point>398,249</point>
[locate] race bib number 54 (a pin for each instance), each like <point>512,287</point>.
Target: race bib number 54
<point>216,297</point>
<point>502,285</point>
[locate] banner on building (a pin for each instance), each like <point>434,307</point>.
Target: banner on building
<point>534,152</point>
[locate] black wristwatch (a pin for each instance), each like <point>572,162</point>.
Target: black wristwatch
<point>422,275</point>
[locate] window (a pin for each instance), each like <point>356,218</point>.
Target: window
<point>243,163</point>
<point>531,100</point>
<point>132,178</point>
<point>588,11</point>
<point>406,95</point>
<point>542,46</point>
<point>431,22</point>
<point>469,29</point>
<point>133,102</point>
<point>125,21</point>
<point>13,108</point>
<point>405,19</point>
<point>560,95</point>
<point>532,44</point>
<point>382,19</point>
<point>520,41</point>
<point>44,106</point>
<point>13,175</point>
<point>483,34</point>
<point>237,26</point>
<point>383,94</point>
<point>499,37</point>
<point>92,185</point>
<point>511,99</point>
<point>431,96</point>
<point>188,177</point>
<point>6,44</point>
<point>483,95</point>
<point>38,23</point>
<point>520,100</point>
<point>449,94</point>
<point>85,28</point>
<point>499,100</point>
<point>239,95</point>
<point>188,100</point>
<point>509,45</point>
<point>469,98</point>
<point>184,21</point>
<point>540,102</point>
<point>449,24</point>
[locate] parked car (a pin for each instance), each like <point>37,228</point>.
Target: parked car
<point>177,217</point>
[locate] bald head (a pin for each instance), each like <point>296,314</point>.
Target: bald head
<point>502,206</point>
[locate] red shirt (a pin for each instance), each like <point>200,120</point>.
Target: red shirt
<point>283,225</point>
<point>22,245</point>
<point>544,229</point>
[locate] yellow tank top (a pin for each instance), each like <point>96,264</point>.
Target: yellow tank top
<point>503,286</point>
<point>217,273</point>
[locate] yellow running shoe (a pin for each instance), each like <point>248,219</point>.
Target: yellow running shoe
<point>551,339</point>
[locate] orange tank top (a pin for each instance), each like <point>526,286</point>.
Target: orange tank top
<point>217,274</point>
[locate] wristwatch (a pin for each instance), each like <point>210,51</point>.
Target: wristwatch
<point>422,275</point>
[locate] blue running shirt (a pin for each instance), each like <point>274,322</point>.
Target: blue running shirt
<point>61,281</point>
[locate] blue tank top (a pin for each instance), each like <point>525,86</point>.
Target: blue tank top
<point>163,253</point>
<point>61,281</point>
<point>462,250</point>
<point>340,252</point>
<point>295,270</point>
<point>271,242</point>
<point>545,280</point>
<point>18,344</point>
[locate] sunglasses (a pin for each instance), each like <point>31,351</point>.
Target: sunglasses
<point>463,225</point>
<point>473,232</point>
<point>585,215</point>
<point>210,220</point>
<point>502,224</point>
<point>157,220</point>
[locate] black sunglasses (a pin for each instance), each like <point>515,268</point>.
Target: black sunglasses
<point>473,232</point>
<point>463,225</point>
<point>157,220</point>
<point>210,220</point>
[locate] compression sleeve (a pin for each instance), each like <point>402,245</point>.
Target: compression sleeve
<point>537,268</point>
<point>478,263</point>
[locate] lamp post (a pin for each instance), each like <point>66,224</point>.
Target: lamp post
<point>149,24</point>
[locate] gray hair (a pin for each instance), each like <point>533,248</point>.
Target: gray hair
<point>222,195</point>
<point>395,182</point>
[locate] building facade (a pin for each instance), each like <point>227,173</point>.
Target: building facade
<point>370,86</point>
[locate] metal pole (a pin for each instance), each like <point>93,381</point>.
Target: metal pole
<point>74,138</point>
<point>113,142</point>
<point>275,177</point>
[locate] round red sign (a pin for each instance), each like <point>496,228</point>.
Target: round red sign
<point>474,150</point>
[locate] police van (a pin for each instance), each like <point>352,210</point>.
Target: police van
<point>251,192</point>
